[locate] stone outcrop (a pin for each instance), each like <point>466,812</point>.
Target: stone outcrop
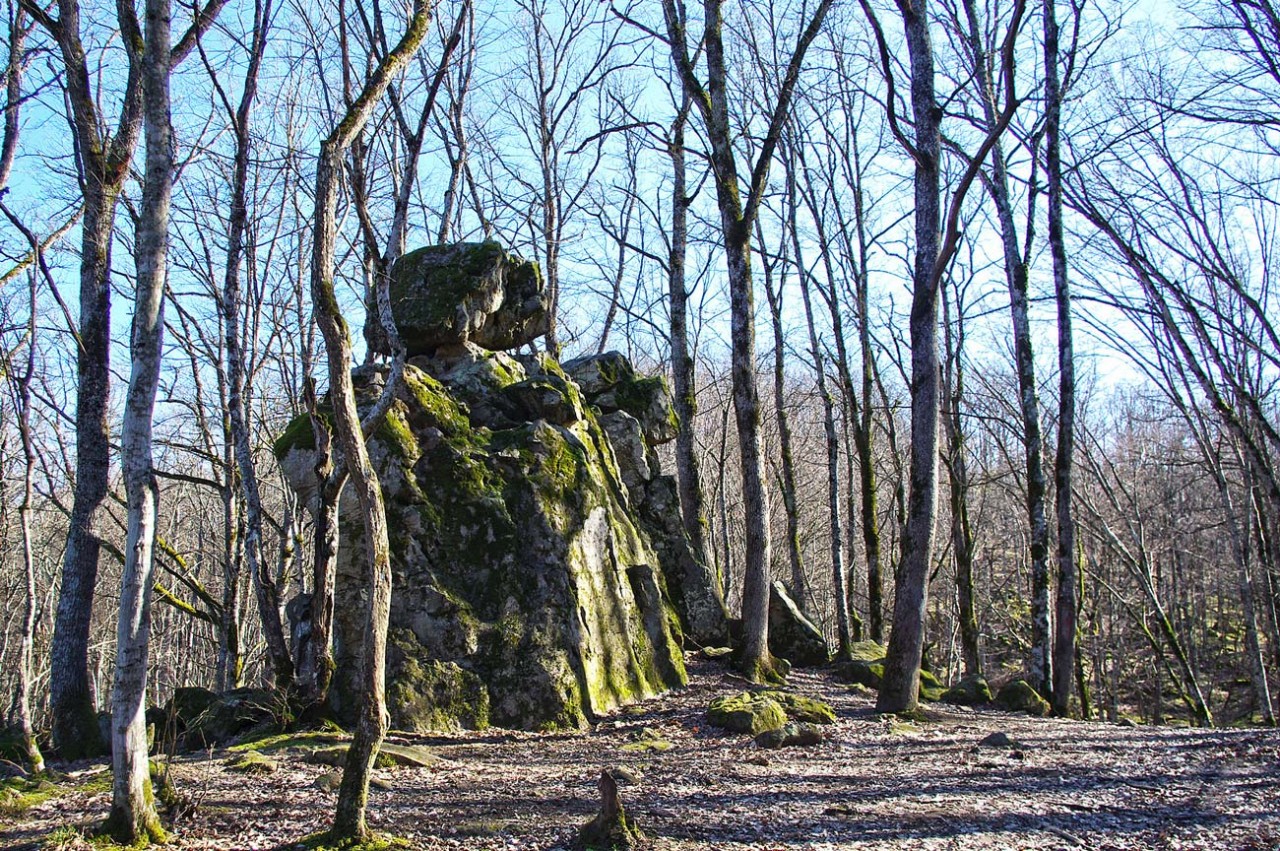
<point>470,292</point>
<point>531,588</point>
<point>638,414</point>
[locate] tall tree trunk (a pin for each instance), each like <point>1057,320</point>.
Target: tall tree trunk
<point>962,545</point>
<point>844,631</point>
<point>265,589</point>
<point>799,585</point>
<point>1016,274</point>
<point>133,815</point>
<point>899,691</point>
<point>1066,605</point>
<point>25,651</point>
<point>704,594</point>
<point>371,725</point>
<point>682,367</point>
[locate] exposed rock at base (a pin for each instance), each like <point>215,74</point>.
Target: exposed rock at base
<point>792,734</point>
<point>476,292</point>
<point>792,636</point>
<point>203,718</point>
<point>970,691</point>
<point>1019,696</point>
<point>525,593</point>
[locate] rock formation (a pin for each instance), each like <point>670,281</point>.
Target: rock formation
<point>526,593</point>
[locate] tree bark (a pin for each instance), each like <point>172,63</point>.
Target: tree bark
<point>736,219</point>
<point>1064,651</point>
<point>133,817</point>
<point>1016,275</point>
<point>371,726</point>
<point>900,686</point>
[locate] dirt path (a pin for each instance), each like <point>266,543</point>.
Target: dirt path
<point>874,784</point>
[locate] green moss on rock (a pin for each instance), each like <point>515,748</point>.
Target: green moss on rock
<point>747,712</point>
<point>1019,696</point>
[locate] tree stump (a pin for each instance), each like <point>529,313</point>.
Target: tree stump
<point>610,829</point>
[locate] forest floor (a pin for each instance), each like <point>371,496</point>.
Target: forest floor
<point>875,783</point>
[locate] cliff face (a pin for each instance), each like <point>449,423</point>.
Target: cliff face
<point>526,592</point>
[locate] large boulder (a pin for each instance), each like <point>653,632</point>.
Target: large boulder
<point>524,592</point>
<point>1020,696</point>
<point>470,292</point>
<point>792,635</point>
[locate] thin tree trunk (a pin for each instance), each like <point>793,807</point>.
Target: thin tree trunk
<point>25,727</point>
<point>838,575</point>
<point>1066,604</point>
<point>799,585</point>
<point>265,589</point>
<point>349,816</point>
<point>133,815</point>
<point>962,545</point>
<point>1041,661</point>
<point>682,368</point>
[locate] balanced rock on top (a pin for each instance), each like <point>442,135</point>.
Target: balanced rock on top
<point>470,292</point>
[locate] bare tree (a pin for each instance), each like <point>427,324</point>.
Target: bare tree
<point>736,220</point>
<point>349,817</point>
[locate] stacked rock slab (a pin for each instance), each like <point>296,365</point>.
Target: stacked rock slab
<point>638,414</point>
<point>524,592</point>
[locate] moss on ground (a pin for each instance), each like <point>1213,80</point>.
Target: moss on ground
<point>374,842</point>
<point>18,794</point>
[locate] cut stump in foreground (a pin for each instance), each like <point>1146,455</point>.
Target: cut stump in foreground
<point>610,829</point>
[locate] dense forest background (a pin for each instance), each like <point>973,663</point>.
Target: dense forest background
<point>562,129</point>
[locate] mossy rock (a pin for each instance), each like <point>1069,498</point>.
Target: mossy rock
<point>189,703</point>
<point>233,714</point>
<point>1019,696</point>
<point>747,712</point>
<point>252,762</point>
<point>597,374</point>
<point>427,695</point>
<point>860,672</point>
<point>808,710</point>
<point>790,735</point>
<point>931,688</point>
<point>792,636</point>
<point>972,690</point>
<point>475,292</point>
<point>326,842</point>
<point>868,651</point>
<point>18,794</point>
<point>389,756</point>
<point>547,397</point>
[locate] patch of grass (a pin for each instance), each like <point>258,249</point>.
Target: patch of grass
<point>66,838</point>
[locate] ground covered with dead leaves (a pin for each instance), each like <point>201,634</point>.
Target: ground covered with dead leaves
<point>875,783</point>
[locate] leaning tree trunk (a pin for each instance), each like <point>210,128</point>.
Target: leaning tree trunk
<point>371,725</point>
<point>133,815</point>
<point>899,691</point>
